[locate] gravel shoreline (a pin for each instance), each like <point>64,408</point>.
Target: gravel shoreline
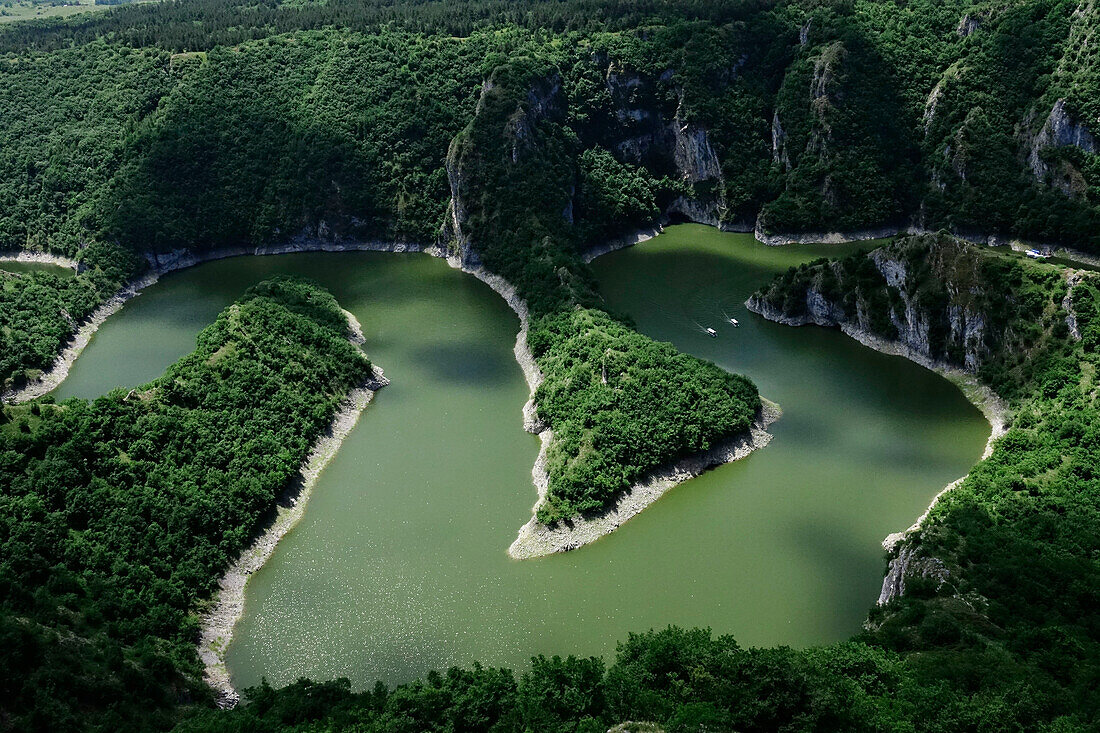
<point>44,258</point>
<point>539,540</point>
<point>992,406</point>
<point>227,606</point>
<point>162,264</point>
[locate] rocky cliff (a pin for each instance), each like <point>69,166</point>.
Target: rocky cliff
<point>947,304</point>
<point>886,295</point>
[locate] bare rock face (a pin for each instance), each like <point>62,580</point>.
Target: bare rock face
<point>1060,130</point>
<point>825,96</point>
<point>932,103</point>
<point>779,143</point>
<point>694,156</point>
<point>910,564</point>
<point>644,134</point>
<point>804,32</point>
<point>658,138</point>
<point>968,24</point>
<point>644,125</point>
<point>821,83</point>
<point>963,328</point>
<point>542,100</point>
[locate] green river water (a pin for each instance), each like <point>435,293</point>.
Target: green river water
<point>399,564</point>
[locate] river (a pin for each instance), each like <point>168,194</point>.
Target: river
<point>399,564</point>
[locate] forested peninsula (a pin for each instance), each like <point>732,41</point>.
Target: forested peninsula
<point>514,138</point>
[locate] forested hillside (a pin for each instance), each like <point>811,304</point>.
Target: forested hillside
<point>118,515</point>
<point>517,135</point>
<point>1001,583</point>
<point>195,124</point>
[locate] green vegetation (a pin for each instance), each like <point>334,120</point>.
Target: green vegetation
<point>39,310</point>
<point>1012,342</point>
<point>13,10</point>
<point>619,404</point>
<point>1004,601</point>
<point>607,395</point>
<point>548,125</point>
<point>885,112</point>
<point>118,515</point>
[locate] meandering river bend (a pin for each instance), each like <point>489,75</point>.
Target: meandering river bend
<point>399,564</point>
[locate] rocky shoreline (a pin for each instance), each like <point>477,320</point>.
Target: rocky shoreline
<point>992,406</point>
<point>779,239</point>
<point>55,375</point>
<point>539,540</point>
<point>227,606</point>
<point>162,264</point>
<point>44,258</point>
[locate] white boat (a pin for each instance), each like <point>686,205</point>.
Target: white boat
<point>1036,254</point>
<point>734,322</point>
<point>712,333</point>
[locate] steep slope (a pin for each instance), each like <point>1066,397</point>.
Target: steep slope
<point>118,515</point>
<point>1008,555</point>
<point>512,172</point>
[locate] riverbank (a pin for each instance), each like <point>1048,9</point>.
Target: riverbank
<point>992,406</point>
<point>536,539</point>
<point>55,375</point>
<point>161,264</point>
<point>227,607</point>
<point>539,540</point>
<point>1069,254</point>
<point>41,258</point>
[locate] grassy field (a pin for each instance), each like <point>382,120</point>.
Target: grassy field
<point>13,10</point>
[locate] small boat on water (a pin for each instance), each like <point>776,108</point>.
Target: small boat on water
<point>711,332</point>
<point>1036,254</point>
<point>734,322</point>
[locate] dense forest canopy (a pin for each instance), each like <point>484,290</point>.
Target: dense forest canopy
<point>517,135</point>
<point>117,515</point>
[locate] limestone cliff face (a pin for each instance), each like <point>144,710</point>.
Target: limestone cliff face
<point>952,333</point>
<point>641,123</point>
<point>1074,115</point>
<point>513,122</point>
<point>1060,131</point>
<point>907,565</point>
<point>947,304</point>
<point>648,133</point>
<point>779,143</point>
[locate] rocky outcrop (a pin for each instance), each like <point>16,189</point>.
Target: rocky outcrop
<point>44,258</point>
<point>778,239</point>
<point>1072,279</point>
<point>967,25</point>
<point>514,118</point>
<point>542,102</point>
<point>931,104</point>
<point>454,220</point>
<point>1060,130</point>
<point>695,159</point>
<point>663,140</point>
<point>967,326</point>
<point>804,32</point>
<point>906,562</point>
<point>779,143</point>
<point>907,565</point>
<point>822,84</point>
